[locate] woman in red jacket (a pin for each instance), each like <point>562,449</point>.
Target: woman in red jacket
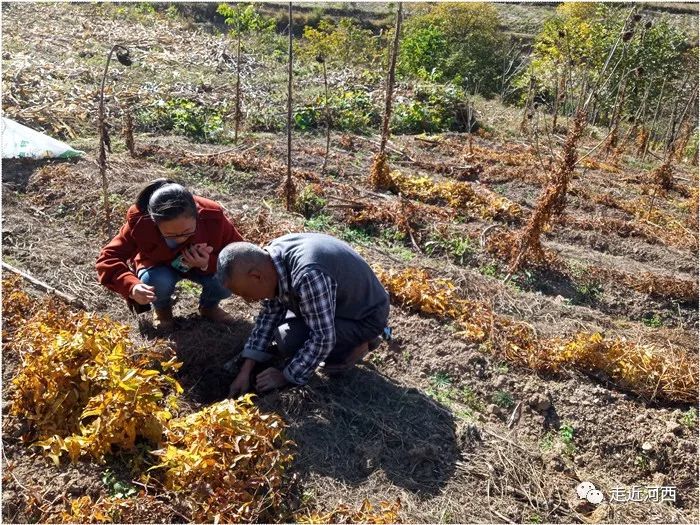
<point>169,235</point>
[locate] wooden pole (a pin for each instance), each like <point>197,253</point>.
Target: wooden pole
<point>289,190</point>
<point>238,89</point>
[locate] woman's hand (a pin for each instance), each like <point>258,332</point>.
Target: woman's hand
<point>197,256</point>
<point>143,294</point>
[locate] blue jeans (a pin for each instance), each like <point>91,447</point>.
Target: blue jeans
<point>164,279</point>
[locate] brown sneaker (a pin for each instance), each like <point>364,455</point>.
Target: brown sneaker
<point>163,319</point>
<point>217,314</point>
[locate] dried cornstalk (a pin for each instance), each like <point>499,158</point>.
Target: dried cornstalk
<point>552,201</point>
<point>379,178</point>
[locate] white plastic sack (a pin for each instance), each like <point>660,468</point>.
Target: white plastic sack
<point>19,141</point>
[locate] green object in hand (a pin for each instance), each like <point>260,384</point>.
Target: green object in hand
<point>180,265</point>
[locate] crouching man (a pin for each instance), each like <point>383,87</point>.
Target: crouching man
<point>321,303</point>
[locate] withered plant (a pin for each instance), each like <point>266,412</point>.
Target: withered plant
<point>129,133</point>
<point>379,173</point>
<point>103,130</point>
<point>551,203</point>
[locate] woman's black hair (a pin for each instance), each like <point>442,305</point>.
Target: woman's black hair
<point>165,199</point>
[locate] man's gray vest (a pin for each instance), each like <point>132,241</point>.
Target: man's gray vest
<point>359,292</point>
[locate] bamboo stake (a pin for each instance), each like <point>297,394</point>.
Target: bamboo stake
<point>328,118</point>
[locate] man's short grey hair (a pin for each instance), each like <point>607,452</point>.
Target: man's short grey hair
<point>239,258</point>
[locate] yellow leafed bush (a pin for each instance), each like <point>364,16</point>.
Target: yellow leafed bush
<point>415,289</point>
<point>230,459</point>
<point>112,510</point>
<point>651,371</point>
<point>458,195</point>
<point>379,177</point>
<point>83,387</point>
<point>16,305</point>
<point>670,374</point>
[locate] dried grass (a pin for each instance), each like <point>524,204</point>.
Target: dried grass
<point>660,286</point>
<point>383,512</point>
<point>642,140</point>
<point>663,175</point>
<point>462,196</point>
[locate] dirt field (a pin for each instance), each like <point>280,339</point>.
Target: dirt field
<point>457,433</point>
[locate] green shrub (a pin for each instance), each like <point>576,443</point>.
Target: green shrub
<point>459,42</point>
<point>690,418</point>
<point>307,117</point>
<point>503,399</point>
<point>244,18</point>
<point>459,248</point>
<point>349,111</point>
<point>653,321</point>
<point>433,108</point>
<point>309,202</point>
<point>424,53</point>
<point>353,111</point>
<point>344,43</point>
<point>575,43</point>
<point>185,117</point>
<point>144,8</point>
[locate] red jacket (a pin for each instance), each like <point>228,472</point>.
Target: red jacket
<point>140,244</point>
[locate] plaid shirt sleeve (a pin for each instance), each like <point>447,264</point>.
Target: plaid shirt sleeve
<point>317,304</point>
<point>271,315</point>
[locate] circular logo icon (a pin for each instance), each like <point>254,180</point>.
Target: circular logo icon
<point>583,489</point>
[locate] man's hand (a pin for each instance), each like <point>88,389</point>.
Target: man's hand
<point>240,385</point>
<point>269,379</point>
<point>197,256</point>
<point>143,294</point>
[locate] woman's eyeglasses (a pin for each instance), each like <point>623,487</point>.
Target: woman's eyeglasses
<point>180,235</point>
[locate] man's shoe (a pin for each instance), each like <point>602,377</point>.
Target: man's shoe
<point>374,343</point>
<point>163,319</point>
<point>217,315</point>
<point>355,356</point>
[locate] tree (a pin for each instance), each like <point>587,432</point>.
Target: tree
<point>340,44</point>
<point>459,42</point>
<point>243,19</point>
<point>289,189</point>
<point>649,59</point>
